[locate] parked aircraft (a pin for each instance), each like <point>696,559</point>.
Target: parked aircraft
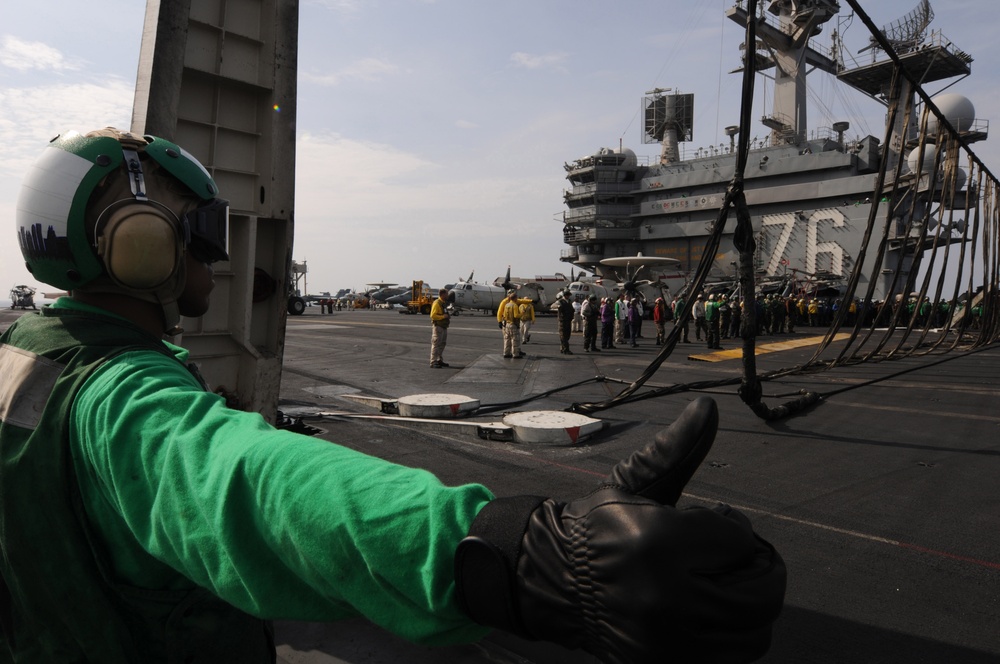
<point>541,289</point>
<point>546,286</point>
<point>401,298</point>
<point>384,291</point>
<point>636,271</point>
<point>649,277</point>
<point>407,295</point>
<point>354,299</point>
<point>469,294</point>
<point>583,289</point>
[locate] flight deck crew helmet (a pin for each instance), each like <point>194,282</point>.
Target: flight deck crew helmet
<point>111,211</point>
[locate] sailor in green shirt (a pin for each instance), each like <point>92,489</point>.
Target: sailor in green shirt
<point>142,520</point>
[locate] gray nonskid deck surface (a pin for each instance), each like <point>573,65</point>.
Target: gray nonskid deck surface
<point>881,499</point>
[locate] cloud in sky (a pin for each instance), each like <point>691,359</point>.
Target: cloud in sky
<point>32,116</point>
<point>345,6</point>
<point>554,61</point>
<point>375,188</point>
<point>365,69</point>
<point>22,55</point>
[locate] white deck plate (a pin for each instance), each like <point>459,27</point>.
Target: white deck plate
<point>551,426</point>
<point>436,405</point>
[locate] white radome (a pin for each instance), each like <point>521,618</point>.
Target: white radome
<point>957,108</point>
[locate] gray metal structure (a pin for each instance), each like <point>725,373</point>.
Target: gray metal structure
<point>219,78</point>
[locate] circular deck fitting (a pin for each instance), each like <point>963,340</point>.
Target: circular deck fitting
<point>436,406</point>
<point>551,426</point>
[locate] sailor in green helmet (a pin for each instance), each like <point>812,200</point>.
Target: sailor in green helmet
<point>142,520</point>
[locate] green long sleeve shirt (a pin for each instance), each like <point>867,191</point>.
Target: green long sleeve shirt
<point>280,525</point>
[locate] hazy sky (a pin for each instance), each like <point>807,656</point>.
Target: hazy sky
<point>432,134</point>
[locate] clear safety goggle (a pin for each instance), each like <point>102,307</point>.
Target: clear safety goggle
<point>207,228</point>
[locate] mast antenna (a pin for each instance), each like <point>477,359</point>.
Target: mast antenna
<point>907,34</point>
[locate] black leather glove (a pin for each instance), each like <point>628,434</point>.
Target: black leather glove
<point>621,572</point>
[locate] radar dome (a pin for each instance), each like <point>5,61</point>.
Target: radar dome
<point>630,159</point>
<point>930,155</point>
<point>960,178</point>
<point>958,109</point>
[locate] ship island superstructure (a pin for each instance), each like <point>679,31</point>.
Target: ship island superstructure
<point>809,194</point>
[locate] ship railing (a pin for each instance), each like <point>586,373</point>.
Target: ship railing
<point>978,130</point>
<point>593,211</point>
<point>604,187</point>
<point>580,214</point>
<point>578,235</point>
<point>935,39</point>
<point>825,134</point>
<point>706,152</point>
<point>580,190</point>
<point>607,160</point>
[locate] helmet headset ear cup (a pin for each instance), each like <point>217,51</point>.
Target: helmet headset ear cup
<point>140,246</point>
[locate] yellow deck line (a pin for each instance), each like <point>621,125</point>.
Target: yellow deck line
<point>736,353</point>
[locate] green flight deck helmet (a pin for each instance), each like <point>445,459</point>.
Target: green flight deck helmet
<point>111,211</point>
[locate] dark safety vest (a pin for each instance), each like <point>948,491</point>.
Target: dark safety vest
<point>59,598</point>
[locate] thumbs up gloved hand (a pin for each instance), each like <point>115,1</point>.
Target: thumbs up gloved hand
<point>622,573</point>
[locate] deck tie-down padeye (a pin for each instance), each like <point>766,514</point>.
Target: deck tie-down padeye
<point>451,412</point>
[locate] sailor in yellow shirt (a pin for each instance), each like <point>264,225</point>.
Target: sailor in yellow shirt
<point>439,337</point>
<point>526,310</point>
<point>509,317</point>
<point>503,304</point>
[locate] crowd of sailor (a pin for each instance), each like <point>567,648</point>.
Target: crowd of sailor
<point>618,321</point>
<point>614,322</point>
